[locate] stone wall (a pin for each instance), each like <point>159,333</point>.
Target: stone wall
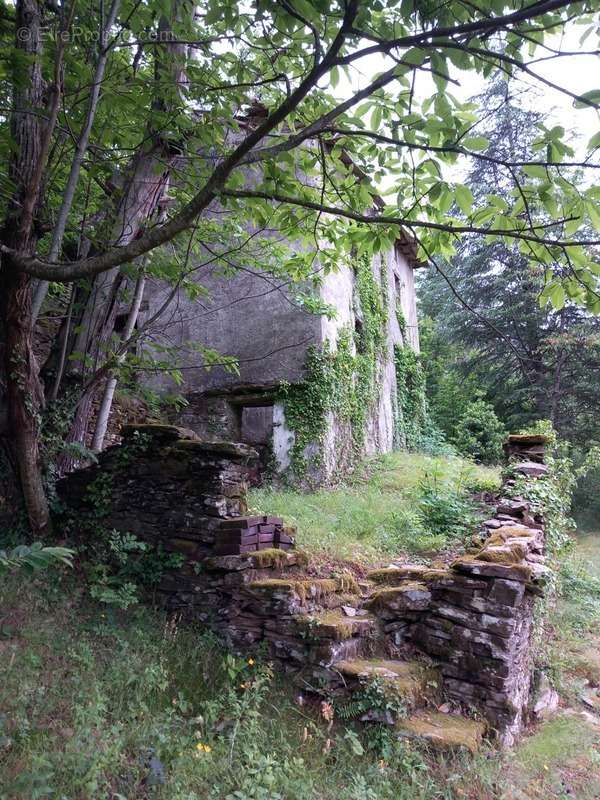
<point>471,622</point>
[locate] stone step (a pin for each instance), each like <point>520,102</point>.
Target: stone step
<point>335,624</point>
<point>409,680</point>
<point>442,731</point>
<point>400,574</point>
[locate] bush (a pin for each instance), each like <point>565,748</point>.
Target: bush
<point>34,557</point>
<point>480,433</point>
<point>445,510</point>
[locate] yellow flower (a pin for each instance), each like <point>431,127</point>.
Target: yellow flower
<point>203,748</point>
<point>245,685</point>
<point>251,662</point>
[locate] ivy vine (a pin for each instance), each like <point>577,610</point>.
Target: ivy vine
<point>411,406</point>
<point>340,381</point>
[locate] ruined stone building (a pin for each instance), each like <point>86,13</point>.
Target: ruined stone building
<point>313,392</point>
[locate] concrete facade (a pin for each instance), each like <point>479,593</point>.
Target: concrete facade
<point>254,318</point>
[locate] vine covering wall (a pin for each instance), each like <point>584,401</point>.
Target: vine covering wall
<point>340,380</point>
<point>410,394</point>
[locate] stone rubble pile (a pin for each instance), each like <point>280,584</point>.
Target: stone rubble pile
<point>242,577</point>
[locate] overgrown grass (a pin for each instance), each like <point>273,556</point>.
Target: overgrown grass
<point>398,503</point>
<point>128,705</point>
<point>105,705</point>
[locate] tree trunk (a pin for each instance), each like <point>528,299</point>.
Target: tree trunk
<point>80,151</point>
<point>111,383</point>
<point>24,396</point>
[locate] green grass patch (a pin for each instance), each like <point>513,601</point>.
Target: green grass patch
<point>128,704</point>
<point>399,503</point>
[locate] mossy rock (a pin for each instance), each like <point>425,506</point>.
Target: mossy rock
<point>305,589</point>
<point>275,558</point>
<point>409,596</point>
<point>443,731</point>
<point>508,554</point>
<point>476,566</point>
<point>395,575</point>
<point>528,439</point>
<point>408,680</point>
<point>333,624</point>
<point>160,432</point>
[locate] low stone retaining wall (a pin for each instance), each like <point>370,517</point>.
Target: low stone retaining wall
<point>472,621</point>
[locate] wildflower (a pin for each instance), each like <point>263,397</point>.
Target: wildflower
<point>251,662</point>
<point>327,711</point>
<point>245,685</point>
<point>203,748</point>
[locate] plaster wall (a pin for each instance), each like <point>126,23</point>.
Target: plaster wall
<point>254,318</point>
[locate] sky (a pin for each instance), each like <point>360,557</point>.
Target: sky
<point>578,73</point>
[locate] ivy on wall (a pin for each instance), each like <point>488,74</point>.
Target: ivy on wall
<point>411,415</point>
<point>341,381</point>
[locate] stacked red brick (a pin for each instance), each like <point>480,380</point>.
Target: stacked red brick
<point>241,535</point>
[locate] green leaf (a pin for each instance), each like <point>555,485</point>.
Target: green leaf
<point>594,141</point>
<point>593,213</point>
<point>415,56</point>
<point>464,198</point>
<point>588,99</point>
<point>535,171</point>
<point>476,143</point>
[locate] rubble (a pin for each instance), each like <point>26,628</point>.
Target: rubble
<point>242,576</point>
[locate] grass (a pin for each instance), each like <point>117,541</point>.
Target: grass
<point>399,503</point>
<point>105,704</point>
<point>98,704</point>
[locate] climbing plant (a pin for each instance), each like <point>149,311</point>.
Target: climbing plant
<point>411,416</point>
<point>341,380</point>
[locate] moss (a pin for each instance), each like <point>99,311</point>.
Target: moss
<point>271,557</point>
<point>528,438</point>
<point>507,554</point>
<point>384,597</point>
<point>329,625</point>
<point>393,575</point>
<point>315,589</point>
<point>443,731</point>
<point>347,583</point>
<point>500,535</point>
<point>523,570</point>
<point>402,680</point>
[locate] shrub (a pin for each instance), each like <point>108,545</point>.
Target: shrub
<point>444,510</point>
<point>480,433</point>
<point>34,557</point>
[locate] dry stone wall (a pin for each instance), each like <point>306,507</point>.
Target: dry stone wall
<point>472,621</point>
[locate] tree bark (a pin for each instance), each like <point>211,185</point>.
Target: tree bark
<point>111,383</point>
<point>80,151</point>
<point>23,390</point>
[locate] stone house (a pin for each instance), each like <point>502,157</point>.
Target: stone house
<point>312,392</point>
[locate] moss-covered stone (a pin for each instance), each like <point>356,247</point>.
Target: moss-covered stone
<point>476,566</point>
<point>443,731</point>
<point>160,432</point>
<point>506,554</point>
<point>333,624</point>
<point>304,589</point>
<point>271,557</point>
<point>409,596</point>
<point>395,575</point>
<point>407,680</point>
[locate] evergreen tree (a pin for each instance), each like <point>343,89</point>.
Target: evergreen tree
<point>532,361</point>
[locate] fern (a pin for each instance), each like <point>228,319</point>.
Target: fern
<point>350,709</point>
<point>34,557</point>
